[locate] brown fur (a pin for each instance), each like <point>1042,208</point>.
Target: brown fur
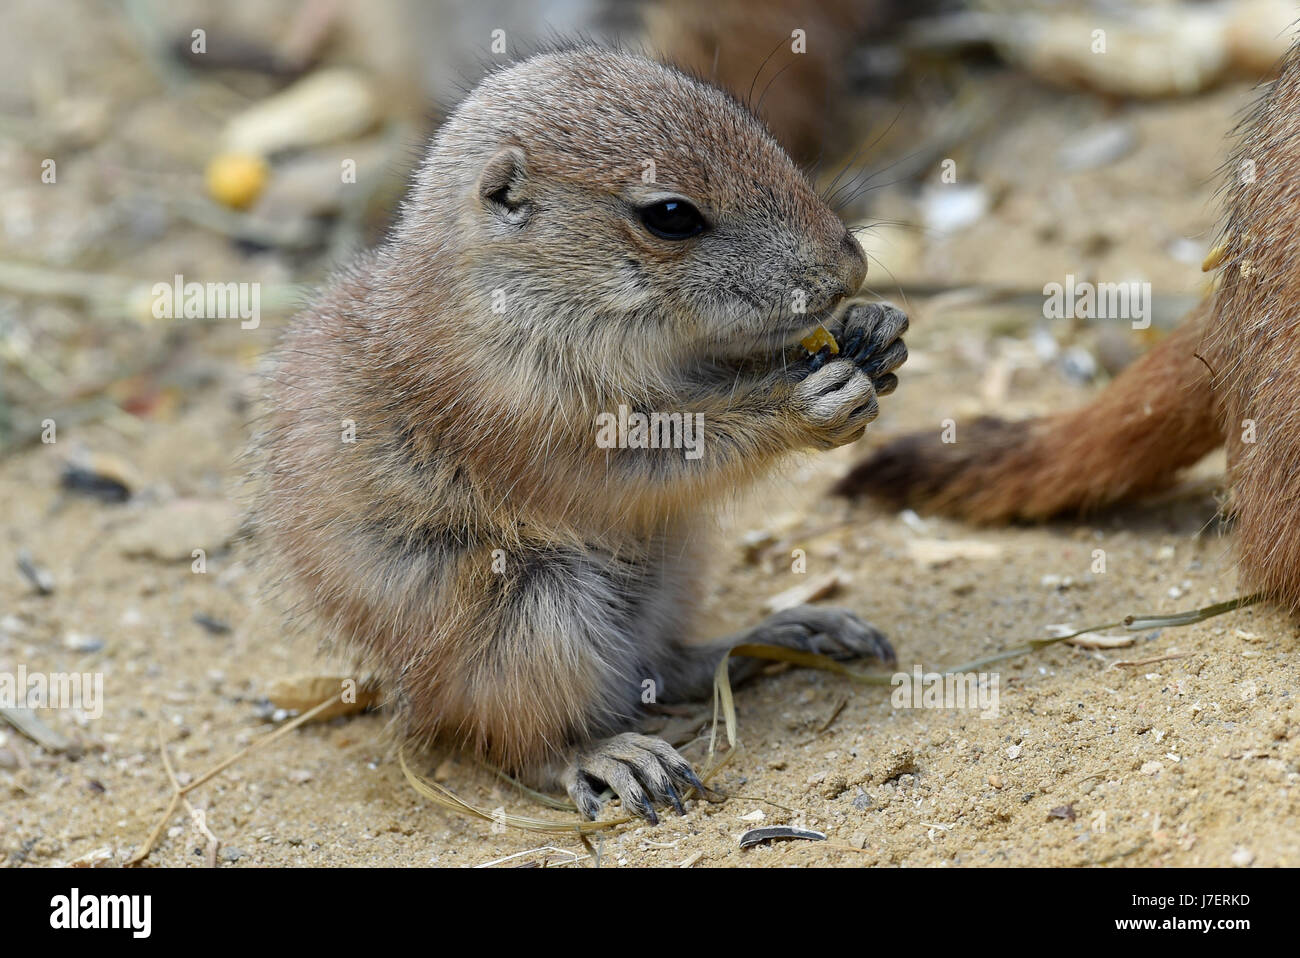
<point>1254,341</point>
<point>518,297</point>
<point>746,44</point>
<point>1167,410</point>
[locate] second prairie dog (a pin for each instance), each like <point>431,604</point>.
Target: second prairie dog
<point>590,230</point>
<point>1226,375</point>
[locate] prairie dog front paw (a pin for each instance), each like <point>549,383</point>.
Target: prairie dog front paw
<point>833,400</point>
<point>834,404</point>
<point>870,334</point>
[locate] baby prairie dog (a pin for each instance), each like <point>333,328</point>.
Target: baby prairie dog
<point>590,230</point>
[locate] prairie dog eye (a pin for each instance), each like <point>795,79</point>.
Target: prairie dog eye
<point>672,219</point>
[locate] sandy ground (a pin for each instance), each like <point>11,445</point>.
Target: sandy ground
<point>1182,748</point>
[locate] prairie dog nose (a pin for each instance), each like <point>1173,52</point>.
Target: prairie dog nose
<point>854,262</point>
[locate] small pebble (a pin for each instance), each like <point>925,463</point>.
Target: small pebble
<point>1079,365</point>
<point>77,642</point>
<point>40,578</point>
<point>1063,811</point>
<point>951,207</point>
<point>212,625</point>
<point>1097,146</point>
<point>100,477</point>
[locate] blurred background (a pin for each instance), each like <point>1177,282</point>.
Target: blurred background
<point>981,148</point>
<point>261,142</point>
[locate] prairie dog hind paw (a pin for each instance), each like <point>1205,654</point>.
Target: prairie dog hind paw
<point>642,771</point>
<point>838,633</point>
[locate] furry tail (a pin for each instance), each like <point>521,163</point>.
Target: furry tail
<point>1157,417</point>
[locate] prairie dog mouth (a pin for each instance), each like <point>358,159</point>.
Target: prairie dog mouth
<point>801,327</point>
<point>785,331</point>
<point>797,337</point>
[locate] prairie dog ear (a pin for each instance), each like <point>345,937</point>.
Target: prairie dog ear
<point>502,186</point>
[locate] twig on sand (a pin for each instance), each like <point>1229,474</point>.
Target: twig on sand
<point>200,820</point>
<point>1132,664</point>
<point>179,792</point>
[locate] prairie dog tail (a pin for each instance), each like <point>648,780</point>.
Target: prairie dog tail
<point>1157,417</point>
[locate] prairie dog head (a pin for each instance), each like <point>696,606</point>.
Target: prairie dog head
<point>595,195</point>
